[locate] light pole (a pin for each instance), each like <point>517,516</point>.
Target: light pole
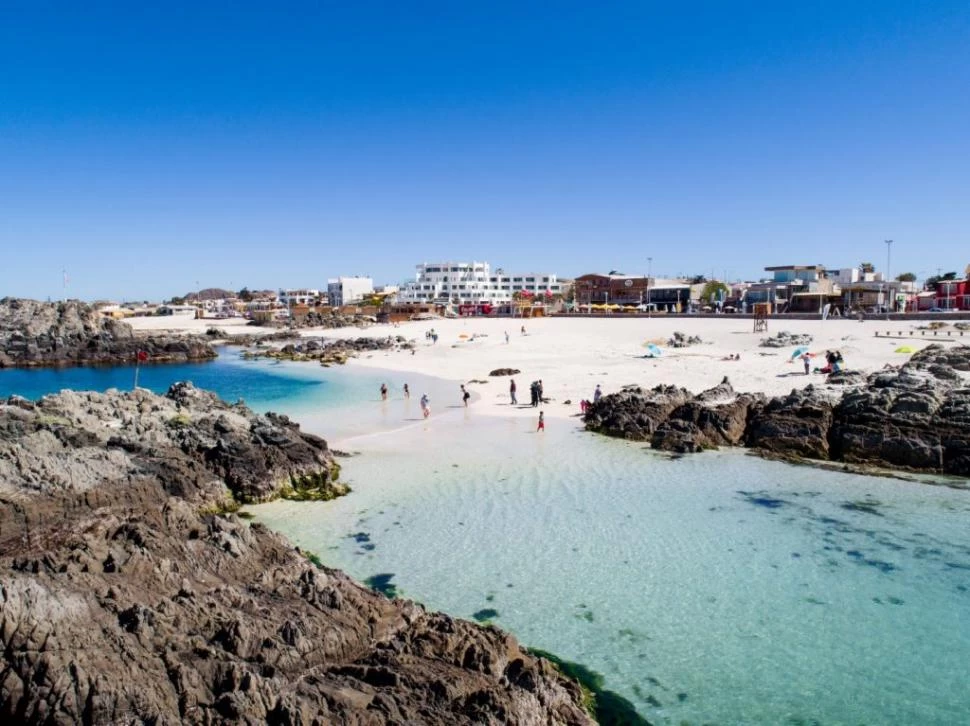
<point>889,252</point>
<point>649,270</point>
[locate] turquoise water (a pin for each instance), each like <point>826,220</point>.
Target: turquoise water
<point>716,588</point>
<point>339,400</point>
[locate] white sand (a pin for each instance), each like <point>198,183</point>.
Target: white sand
<point>571,356</point>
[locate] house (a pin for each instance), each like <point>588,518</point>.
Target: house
<point>299,296</point>
<point>953,294</point>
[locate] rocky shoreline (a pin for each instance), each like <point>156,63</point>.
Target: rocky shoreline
<point>330,351</point>
<point>37,334</point>
<point>915,417</point>
<point>130,592</point>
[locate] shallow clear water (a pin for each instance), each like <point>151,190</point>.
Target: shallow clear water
<point>717,588</point>
<point>339,400</point>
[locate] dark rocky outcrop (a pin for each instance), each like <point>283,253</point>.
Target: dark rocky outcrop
<point>504,372</point>
<point>331,351</point>
<point>72,333</point>
<point>680,340</point>
<point>128,593</point>
<point>784,339</point>
<point>916,417</point>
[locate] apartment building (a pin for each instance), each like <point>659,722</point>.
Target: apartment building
<point>349,290</point>
<point>471,283</point>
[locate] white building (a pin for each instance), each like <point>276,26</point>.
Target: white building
<point>301,296</point>
<point>349,290</point>
<point>472,283</point>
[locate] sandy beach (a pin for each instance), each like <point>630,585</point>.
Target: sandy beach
<point>572,355</point>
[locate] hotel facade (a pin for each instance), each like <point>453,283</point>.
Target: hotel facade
<point>473,283</point>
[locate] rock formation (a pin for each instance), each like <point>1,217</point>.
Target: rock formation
<point>35,334</point>
<point>129,594</point>
<point>504,372</point>
<point>330,351</point>
<point>784,339</point>
<point>680,340</point>
<point>916,417</point>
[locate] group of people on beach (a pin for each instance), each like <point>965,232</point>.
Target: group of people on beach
<point>431,335</point>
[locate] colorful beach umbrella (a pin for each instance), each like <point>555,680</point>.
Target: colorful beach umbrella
<point>906,349</point>
<point>652,350</point>
<point>800,350</point>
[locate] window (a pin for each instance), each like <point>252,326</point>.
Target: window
<point>530,279</point>
<point>516,279</point>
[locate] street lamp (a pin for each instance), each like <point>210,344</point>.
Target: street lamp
<point>649,270</point>
<point>889,252</point>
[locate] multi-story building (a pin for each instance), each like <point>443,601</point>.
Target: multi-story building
<point>301,296</point>
<point>472,283</point>
<point>349,290</point>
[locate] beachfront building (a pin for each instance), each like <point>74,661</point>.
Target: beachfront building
<point>632,290</point>
<point>474,283</point>
<point>299,296</point>
<point>349,290</point>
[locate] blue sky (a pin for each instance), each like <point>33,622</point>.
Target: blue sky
<point>145,150</point>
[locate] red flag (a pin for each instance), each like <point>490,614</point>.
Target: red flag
<point>142,356</point>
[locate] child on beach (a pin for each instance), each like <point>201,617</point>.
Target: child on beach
<point>542,422</point>
<point>425,405</point>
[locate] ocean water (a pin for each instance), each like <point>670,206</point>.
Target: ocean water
<point>338,400</point>
<point>717,588</point>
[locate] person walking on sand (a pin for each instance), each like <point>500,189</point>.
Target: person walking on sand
<point>383,391</point>
<point>542,422</point>
<point>807,360</point>
<point>523,330</point>
<point>425,405</point>
<point>407,391</point>
<point>539,390</point>
<point>597,394</point>
<point>465,395</point>
<point>506,337</point>
<point>512,390</point>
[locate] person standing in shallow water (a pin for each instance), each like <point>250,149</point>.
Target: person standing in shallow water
<point>383,391</point>
<point>542,422</point>
<point>407,391</point>
<point>425,405</point>
<point>465,395</point>
<point>512,392</point>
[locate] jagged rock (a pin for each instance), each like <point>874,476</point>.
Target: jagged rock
<point>505,372</point>
<point>331,351</point>
<point>795,425</point>
<point>784,339</point>
<point>679,340</point>
<point>184,440</point>
<point>36,334</point>
<point>125,597</point>
<point>916,417</point>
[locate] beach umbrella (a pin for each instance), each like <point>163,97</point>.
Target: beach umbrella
<point>799,351</point>
<point>906,349</point>
<point>652,350</point>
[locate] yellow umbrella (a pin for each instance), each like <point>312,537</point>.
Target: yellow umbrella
<point>906,349</point>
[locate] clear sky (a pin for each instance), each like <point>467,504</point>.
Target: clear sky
<point>145,150</point>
